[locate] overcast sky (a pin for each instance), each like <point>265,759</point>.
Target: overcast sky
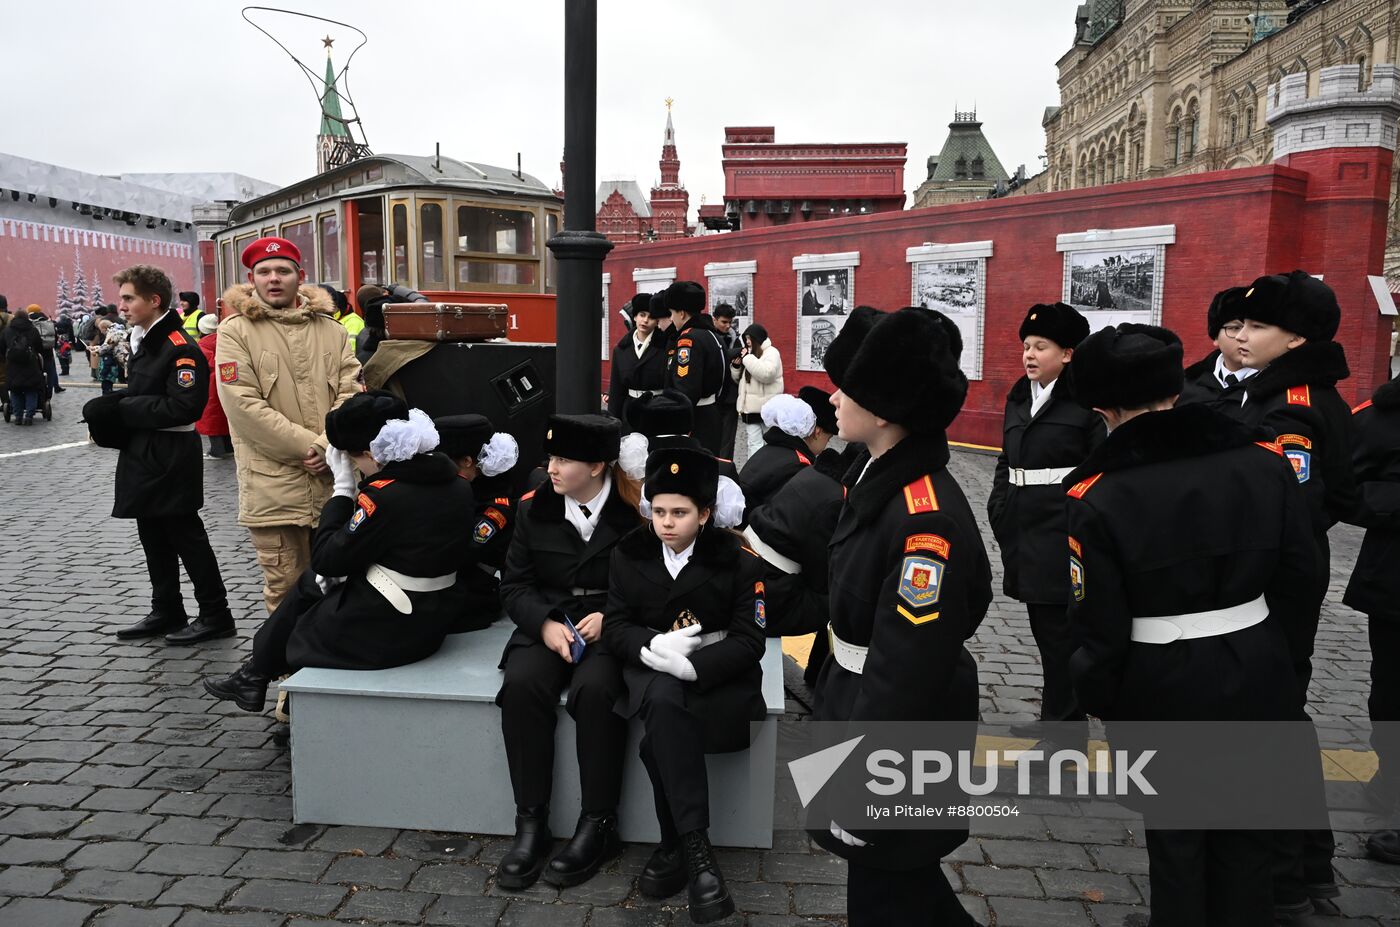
<point>177,85</point>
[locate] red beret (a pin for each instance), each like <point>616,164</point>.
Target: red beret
<point>264,248</point>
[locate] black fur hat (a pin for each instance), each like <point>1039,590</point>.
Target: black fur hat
<point>843,348</point>
<point>950,328</point>
<point>1127,367</point>
<point>191,297</point>
<point>104,422</point>
<point>338,298</point>
<point>641,303</point>
<point>1297,302</point>
<point>684,471</point>
<point>904,370</point>
<point>820,402</point>
<point>587,438</point>
<point>463,435</point>
<point>659,309</point>
<point>665,412</point>
<point>1060,323</point>
<point>1227,306</point>
<point>357,421</point>
<point>686,296</point>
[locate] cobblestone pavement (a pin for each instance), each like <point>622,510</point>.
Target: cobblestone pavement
<point>129,798</point>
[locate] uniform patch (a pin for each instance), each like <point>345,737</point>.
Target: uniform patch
<point>185,377</point>
<point>484,531</point>
<point>503,501</point>
<point>920,497</point>
<point>1076,578</point>
<point>228,373</point>
<point>185,362</point>
<point>495,517</point>
<point>1078,490</point>
<point>1364,405</point>
<point>758,588</point>
<point>1299,396</point>
<point>933,543</point>
<point>380,484</point>
<point>1270,446</point>
<point>760,613</point>
<point>357,519</point>
<point>177,339</point>
<point>682,371</point>
<point>919,582</point>
<point>1075,546</point>
<point>1302,464</point>
<point>684,343</point>
<point>1299,440</point>
<point>683,357</point>
<point>528,495</point>
<point>803,458</point>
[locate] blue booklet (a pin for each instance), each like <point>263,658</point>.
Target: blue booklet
<point>576,648</point>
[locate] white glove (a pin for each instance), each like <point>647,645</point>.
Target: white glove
<point>673,664</point>
<point>850,840</point>
<point>682,642</point>
<point>327,583</point>
<point>342,472</point>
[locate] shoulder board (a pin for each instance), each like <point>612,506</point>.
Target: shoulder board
<point>503,501</point>
<point>1364,405</point>
<point>1078,490</point>
<point>380,484</point>
<point>1271,446</point>
<point>177,338</point>
<point>528,495</point>
<point>920,497</point>
<point>1299,396</point>
<point>806,461</point>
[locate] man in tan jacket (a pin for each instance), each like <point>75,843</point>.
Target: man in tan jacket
<point>283,362</point>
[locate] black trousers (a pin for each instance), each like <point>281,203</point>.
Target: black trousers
<point>673,752</point>
<point>269,657</point>
<point>705,427</point>
<point>1203,878</point>
<point>1050,626</point>
<point>910,898</point>
<point>1383,705</point>
<point>728,426</point>
<point>170,540</point>
<point>535,676</point>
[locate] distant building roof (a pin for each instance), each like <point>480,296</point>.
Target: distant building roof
<point>967,155</point>
<point>206,186</point>
<point>630,192</point>
<point>118,194</point>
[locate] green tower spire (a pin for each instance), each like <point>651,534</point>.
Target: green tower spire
<point>330,104</point>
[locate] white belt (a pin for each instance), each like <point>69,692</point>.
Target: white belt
<point>489,570</point>
<point>395,586</point>
<point>1046,477</point>
<point>713,637</point>
<point>1168,628</point>
<point>189,427</point>
<point>638,393</point>
<point>850,657</point>
<point>579,592</point>
<point>764,550</point>
<point>707,401</point>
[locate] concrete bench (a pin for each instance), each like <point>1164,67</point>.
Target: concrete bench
<point>420,747</point>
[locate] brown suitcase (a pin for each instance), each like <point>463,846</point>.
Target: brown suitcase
<point>445,321</point>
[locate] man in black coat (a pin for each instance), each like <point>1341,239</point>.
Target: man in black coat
<point>160,470</point>
<point>1178,613</point>
<point>799,428</point>
<point>696,365</point>
<point>638,360</point>
<point>1218,378</point>
<point>733,344</point>
<point>909,584</point>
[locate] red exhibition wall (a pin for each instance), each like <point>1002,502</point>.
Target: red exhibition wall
<point>1323,211</point>
<point>37,261</point>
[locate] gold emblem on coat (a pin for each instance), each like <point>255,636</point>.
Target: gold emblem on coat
<point>684,620</point>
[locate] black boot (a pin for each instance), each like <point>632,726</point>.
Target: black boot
<point>664,874</point>
<point>157,622</point>
<point>709,896</point>
<point>1384,845</point>
<point>246,688</point>
<point>594,842</point>
<point>521,866</point>
<point>204,628</point>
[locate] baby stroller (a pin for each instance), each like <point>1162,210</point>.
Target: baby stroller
<point>45,397</point>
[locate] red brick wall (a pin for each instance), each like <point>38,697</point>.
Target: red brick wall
<point>1324,212</point>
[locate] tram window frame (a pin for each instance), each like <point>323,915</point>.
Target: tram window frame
<point>360,202</point>
<point>330,274</point>
<point>401,236</point>
<point>226,263</point>
<point>444,259</point>
<point>461,261</point>
<point>310,245</point>
<point>459,205</point>
<point>239,243</point>
<point>555,219</point>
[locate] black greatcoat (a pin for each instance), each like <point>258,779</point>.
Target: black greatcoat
<point>407,517</point>
<point>1147,537</point>
<point>1029,521</point>
<point>798,523</point>
<point>720,586</point>
<point>917,668</point>
<point>771,466</point>
<point>548,559</point>
<point>1201,387</point>
<point>1374,589</point>
<point>161,473</point>
<point>491,533</point>
<point>696,362</point>
<point>629,371</point>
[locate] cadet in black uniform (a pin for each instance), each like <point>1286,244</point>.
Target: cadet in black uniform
<point>794,437</point>
<point>662,419</point>
<point>638,360</point>
<point>557,569</point>
<point>696,365</point>
<point>1374,591</point>
<point>909,584</point>
<point>1218,378</point>
<point>1046,433</point>
<point>1289,323</point>
<point>384,559</point>
<point>484,458</point>
<point>686,613</point>
<point>1147,554</point>
<point>160,470</point>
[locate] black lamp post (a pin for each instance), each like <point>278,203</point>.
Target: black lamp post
<point>579,250</point>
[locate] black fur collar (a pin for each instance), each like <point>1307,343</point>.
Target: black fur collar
<point>830,463</point>
<point>1387,395</point>
<point>1064,387</point>
<point>1203,366</point>
<point>548,505</point>
<point>1173,434</point>
<point>776,437</point>
<point>420,468</point>
<point>915,456</point>
<point>1314,363</point>
<point>715,547</point>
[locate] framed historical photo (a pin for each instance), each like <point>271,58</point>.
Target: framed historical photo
<point>952,279</point>
<point>1115,275</point>
<point>826,292</point>
<point>732,283</point>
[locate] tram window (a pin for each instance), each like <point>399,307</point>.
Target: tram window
<point>230,278</point>
<point>238,245</point>
<point>401,242</point>
<point>432,270</point>
<point>371,240</point>
<point>330,247</point>
<point>503,273</point>
<point>300,234</point>
<point>495,231</point>
<point>551,225</point>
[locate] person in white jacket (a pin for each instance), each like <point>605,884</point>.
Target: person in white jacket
<point>759,372</point>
